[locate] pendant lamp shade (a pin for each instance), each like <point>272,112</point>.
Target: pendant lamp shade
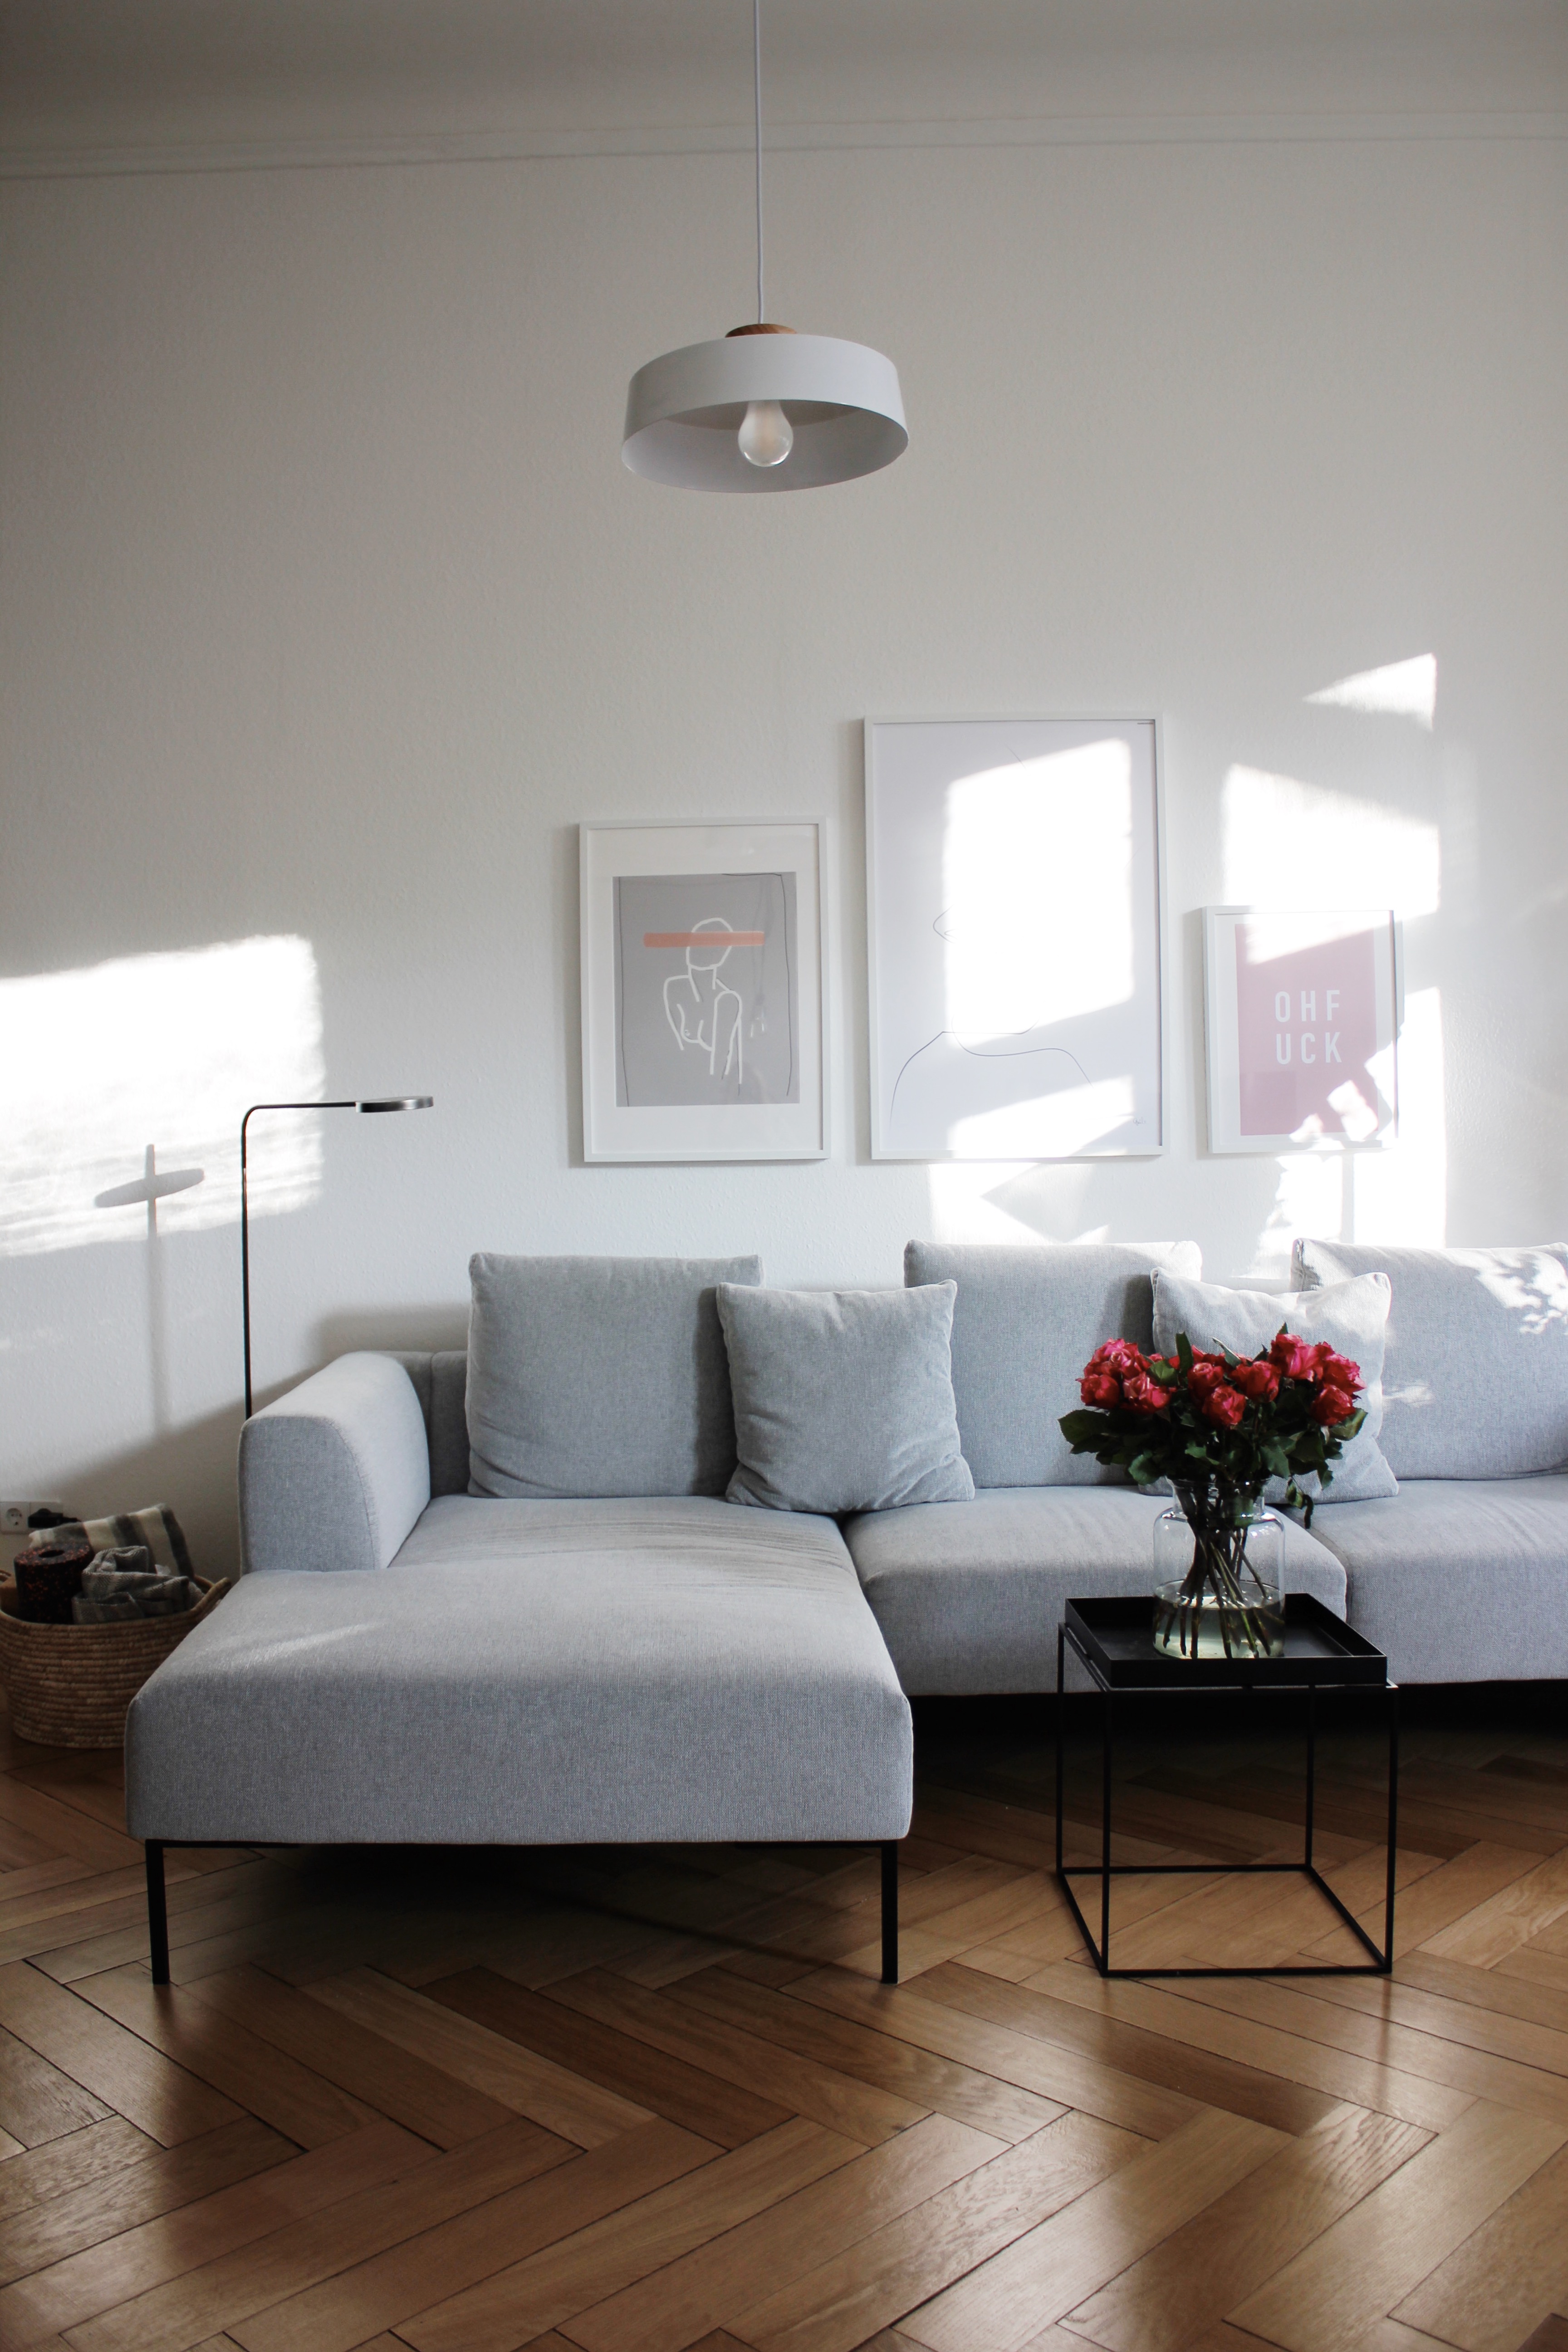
<point>685,409</point>
<point>764,408</point>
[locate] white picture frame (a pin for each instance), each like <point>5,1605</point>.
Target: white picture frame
<point>688,1055</point>
<point>1047,836</point>
<point>1302,1027</point>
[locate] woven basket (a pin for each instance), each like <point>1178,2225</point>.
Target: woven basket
<point>69,1685</point>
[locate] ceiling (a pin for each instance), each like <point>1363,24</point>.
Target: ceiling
<point>80,72</point>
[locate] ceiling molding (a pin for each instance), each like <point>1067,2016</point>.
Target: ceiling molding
<point>340,153</point>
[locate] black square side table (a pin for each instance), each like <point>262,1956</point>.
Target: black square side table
<point>1114,1640</point>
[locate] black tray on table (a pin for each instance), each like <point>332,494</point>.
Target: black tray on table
<point>1117,1637</point>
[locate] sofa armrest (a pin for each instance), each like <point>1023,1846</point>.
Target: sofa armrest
<point>334,1474</point>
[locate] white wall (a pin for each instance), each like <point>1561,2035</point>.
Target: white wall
<point>329,612</point>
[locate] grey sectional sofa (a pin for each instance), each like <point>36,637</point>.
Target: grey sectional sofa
<point>407,1661</point>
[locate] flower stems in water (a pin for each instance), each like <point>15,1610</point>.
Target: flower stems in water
<point>1215,1588</point>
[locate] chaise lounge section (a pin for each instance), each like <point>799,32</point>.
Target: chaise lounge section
<point>405,1667</point>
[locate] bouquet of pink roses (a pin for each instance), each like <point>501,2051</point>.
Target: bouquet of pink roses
<point>1219,1427</point>
<point>1208,1419</point>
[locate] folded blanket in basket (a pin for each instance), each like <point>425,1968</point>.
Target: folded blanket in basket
<point>157,1527</point>
<point>122,1584</point>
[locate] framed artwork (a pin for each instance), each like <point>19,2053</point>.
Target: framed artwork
<point>1014,939</point>
<point>1300,1013</point>
<point>703,1036</point>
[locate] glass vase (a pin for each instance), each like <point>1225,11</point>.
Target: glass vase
<point>1219,1576</point>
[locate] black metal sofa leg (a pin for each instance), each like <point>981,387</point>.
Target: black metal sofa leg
<point>157,1913</point>
<point>889,1914</point>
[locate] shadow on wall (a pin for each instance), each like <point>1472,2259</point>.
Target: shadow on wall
<point>389,1327</point>
<point>192,1469</point>
<point>566,854</point>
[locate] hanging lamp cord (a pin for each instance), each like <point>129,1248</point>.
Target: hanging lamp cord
<point>757,63</point>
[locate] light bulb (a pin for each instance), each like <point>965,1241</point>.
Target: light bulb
<point>766,436</point>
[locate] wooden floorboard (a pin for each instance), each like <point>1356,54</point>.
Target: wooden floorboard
<point>656,2100</point>
<point>1234,2245</point>
<point>832,2307</point>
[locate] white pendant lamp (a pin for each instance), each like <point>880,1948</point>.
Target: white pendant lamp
<point>764,408</point>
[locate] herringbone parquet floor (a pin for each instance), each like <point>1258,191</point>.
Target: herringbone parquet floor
<point>638,2102</point>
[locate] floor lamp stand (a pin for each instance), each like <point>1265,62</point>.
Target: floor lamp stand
<point>391,1102</point>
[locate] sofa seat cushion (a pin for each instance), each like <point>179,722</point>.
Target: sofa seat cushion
<point>1459,1580</point>
<point>969,1595</point>
<point>537,1673</point>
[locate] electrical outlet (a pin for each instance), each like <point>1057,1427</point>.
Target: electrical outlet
<point>14,1517</point>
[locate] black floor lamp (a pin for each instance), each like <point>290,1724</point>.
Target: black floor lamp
<point>395,1102</point>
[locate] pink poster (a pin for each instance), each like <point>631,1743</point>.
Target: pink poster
<point>1307,1027</point>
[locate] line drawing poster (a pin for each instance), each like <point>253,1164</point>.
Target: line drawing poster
<point>705,989</point>
<point>1013,886</point>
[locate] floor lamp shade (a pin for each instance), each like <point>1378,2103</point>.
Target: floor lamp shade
<point>684,412</point>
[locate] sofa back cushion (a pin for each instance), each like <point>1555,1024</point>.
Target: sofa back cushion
<point>1352,1317</point>
<point>1475,1376</point>
<point>843,1397</point>
<point>599,1375</point>
<point>1024,1323</point>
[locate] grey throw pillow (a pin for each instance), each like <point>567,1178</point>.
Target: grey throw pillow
<point>1476,1377</point>
<point>1027,1320</point>
<point>843,1397</point>
<point>1352,1316</point>
<point>599,1375</point>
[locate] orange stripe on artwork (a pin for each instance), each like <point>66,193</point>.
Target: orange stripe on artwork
<point>704,939</point>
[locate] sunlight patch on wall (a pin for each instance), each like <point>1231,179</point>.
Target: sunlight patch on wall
<point>1310,1198</point>
<point>1406,689</point>
<point>1288,843</point>
<point>966,1202</point>
<point>165,1049</point>
<point>1067,817</point>
<point>1401,1194</point>
<point>1053,1128</point>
